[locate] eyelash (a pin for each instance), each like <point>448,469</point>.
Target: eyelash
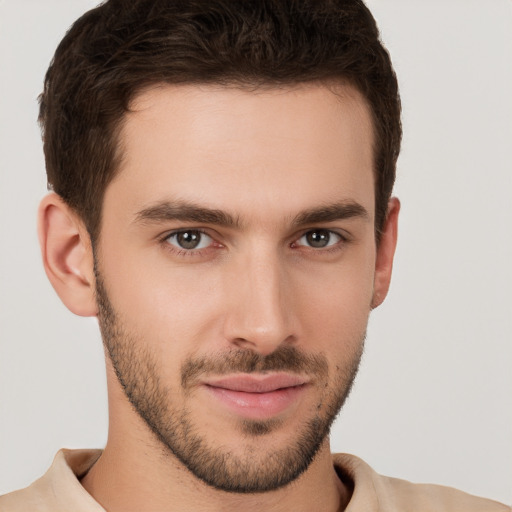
<point>329,248</point>
<point>187,252</point>
<point>164,240</point>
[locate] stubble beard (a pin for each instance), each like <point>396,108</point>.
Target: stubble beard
<point>256,470</point>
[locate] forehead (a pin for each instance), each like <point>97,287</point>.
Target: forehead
<point>278,150</point>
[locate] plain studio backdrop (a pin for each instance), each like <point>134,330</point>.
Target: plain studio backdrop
<point>433,399</point>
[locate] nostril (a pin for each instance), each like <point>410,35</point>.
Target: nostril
<point>263,345</point>
<point>242,343</point>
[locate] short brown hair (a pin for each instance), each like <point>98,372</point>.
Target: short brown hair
<point>122,46</point>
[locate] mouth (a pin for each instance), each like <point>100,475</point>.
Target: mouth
<point>257,397</point>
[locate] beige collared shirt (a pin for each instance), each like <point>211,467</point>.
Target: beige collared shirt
<point>59,490</point>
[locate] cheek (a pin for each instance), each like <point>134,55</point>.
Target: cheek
<point>179,311</point>
<point>167,308</point>
<point>339,299</point>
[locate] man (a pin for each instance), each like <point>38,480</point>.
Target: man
<point>222,176</point>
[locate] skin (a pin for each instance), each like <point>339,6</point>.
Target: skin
<point>256,286</point>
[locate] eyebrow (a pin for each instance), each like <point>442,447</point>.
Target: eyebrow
<point>185,211</point>
<point>332,212</point>
<point>190,212</point>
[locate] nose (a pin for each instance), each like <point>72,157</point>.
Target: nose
<point>261,315</point>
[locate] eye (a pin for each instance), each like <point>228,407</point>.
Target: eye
<point>319,238</point>
<point>189,240</point>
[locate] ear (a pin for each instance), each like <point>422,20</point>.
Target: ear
<point>67,255</point>
<point>386,253</point>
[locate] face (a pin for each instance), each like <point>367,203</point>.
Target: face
<point>235,273</point>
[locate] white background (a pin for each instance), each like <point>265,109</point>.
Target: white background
<point>433,400</point>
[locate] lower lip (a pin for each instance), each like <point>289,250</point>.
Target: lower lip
<point>257,406</point>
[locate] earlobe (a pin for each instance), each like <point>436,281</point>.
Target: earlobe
<point>67,255</point>
<point>386,253</point>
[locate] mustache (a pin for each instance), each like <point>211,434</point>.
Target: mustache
<point>284,358</point>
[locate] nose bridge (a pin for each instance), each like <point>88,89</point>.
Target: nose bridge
<point>261,317</point>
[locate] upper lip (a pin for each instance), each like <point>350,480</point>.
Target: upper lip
<point>257,383</point>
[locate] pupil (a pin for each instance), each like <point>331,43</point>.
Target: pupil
<point>318,238</point>
<point>189,239</point>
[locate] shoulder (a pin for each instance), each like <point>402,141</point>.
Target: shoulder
<point>384,494</point>
<point>58,489</point>
<point>21,500</point>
